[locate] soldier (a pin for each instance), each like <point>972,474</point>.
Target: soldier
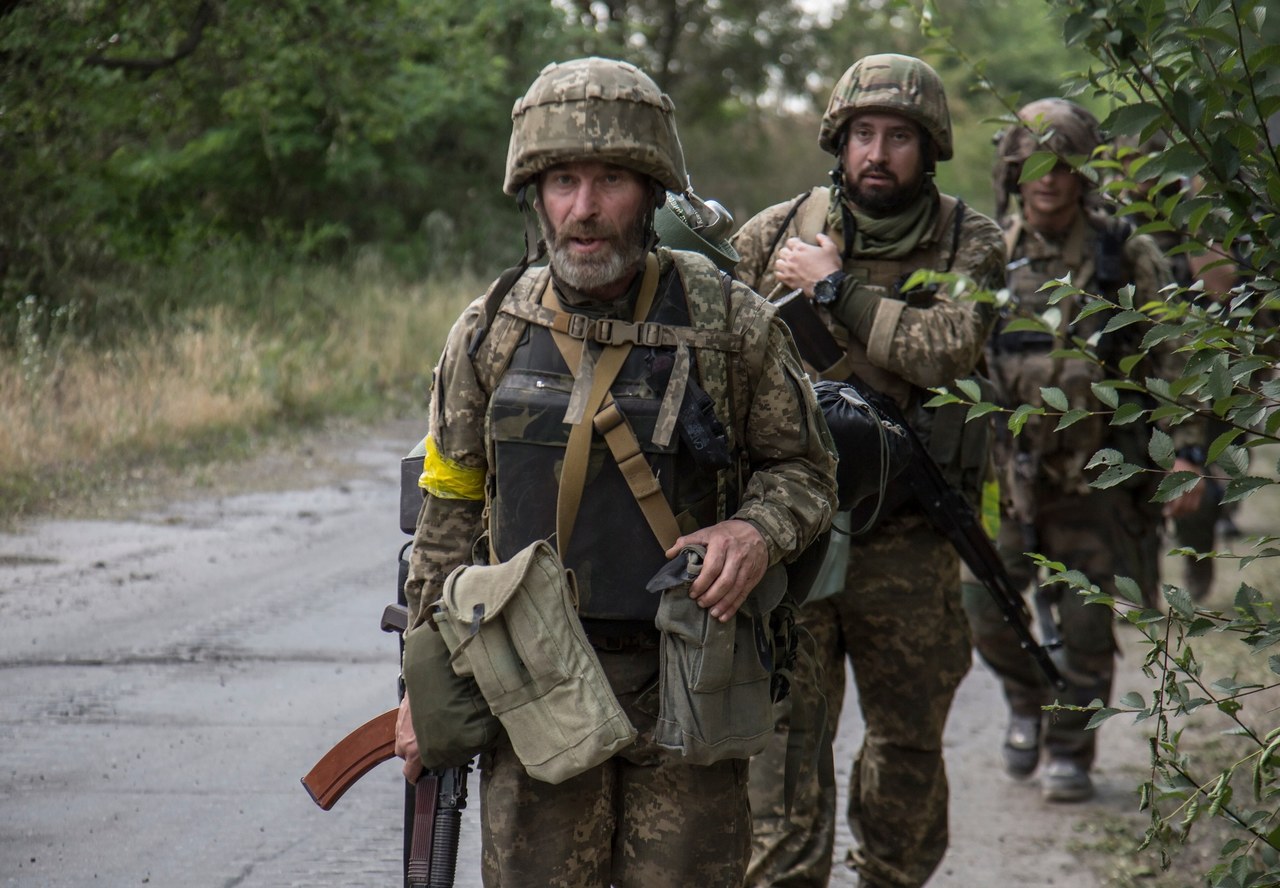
<point>1048,507</point>
<point>850,248</point>
<point>594,144</point>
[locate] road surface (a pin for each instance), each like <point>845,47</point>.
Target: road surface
<point>168,676</point>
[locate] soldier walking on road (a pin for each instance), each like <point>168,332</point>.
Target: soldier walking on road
<point>594,145</point>
<point>1048,507</point>
<point>851,247</point>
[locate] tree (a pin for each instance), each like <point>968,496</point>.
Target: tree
<point>1204,75</point>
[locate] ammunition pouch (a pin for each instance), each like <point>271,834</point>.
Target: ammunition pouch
<point>716,678</point>
<point>514,628</point>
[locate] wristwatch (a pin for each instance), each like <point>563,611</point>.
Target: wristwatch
<point>827,290</point>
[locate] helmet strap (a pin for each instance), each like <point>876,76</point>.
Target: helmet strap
<point>534,245</point>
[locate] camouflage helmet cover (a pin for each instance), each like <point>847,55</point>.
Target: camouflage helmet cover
<point>1056,125</point>
<point>594,109</point>
<point>894,83</point>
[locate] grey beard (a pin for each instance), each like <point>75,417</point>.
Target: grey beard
<point>591,273</point>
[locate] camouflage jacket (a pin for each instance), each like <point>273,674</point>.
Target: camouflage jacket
<point>788,491</point>
<point>928,345</point>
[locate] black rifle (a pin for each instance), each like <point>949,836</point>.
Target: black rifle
<point>945,508</point>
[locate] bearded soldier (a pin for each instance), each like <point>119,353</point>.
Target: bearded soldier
<point>851,248</point>
<point>594,145</point>
<point>1059,230</point>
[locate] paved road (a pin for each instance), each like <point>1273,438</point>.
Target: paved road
<point>167,679</point>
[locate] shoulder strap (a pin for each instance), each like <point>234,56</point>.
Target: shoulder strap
<point>493,300</point>
<point>812,217</point>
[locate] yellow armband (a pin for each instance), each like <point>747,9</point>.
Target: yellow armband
<point>448,479</point>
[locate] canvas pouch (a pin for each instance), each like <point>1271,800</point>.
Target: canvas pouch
<point>513,627</point>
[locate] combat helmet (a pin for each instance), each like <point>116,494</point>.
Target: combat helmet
<point>1053,124</point>
<point>687,222</point>
<point>889,82</point>
<point>594,109</point>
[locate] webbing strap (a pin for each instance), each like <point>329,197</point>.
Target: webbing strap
<point>610,331</point>
<point>573,472</point>
<point>621,438</point>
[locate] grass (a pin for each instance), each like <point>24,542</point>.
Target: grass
<point>210,381</point>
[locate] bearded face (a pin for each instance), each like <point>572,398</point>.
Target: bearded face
<point>594,218</point>
<point>883,162</point>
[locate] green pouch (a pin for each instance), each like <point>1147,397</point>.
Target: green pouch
<point>514,627</point>
<point>714,684</point>
<point>450,716</point>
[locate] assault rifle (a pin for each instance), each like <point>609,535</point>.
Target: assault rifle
<point>432,806</point>
<point>945,508</point>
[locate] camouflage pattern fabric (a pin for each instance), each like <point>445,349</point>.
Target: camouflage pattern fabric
<point>1051,509</point>
<point>905,637</point>
<point>641,819</point>
<point>930,346</point>
<point>899,620</point>
<point>597,109</point>
<point>661,822</point>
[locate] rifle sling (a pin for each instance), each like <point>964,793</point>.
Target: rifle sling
<point>608,419</point>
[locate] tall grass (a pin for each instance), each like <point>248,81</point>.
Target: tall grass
<point>321,341</point>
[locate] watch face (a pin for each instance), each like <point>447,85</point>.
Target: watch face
<point>825,291</point>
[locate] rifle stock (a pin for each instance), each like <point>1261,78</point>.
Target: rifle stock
<point>946,508</point>
<point>351,758</point>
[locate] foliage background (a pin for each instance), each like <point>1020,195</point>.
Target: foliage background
<point>189,133</point>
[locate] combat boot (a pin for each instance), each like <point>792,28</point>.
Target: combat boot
<point>1065,780</point>
<point>1022,745</point>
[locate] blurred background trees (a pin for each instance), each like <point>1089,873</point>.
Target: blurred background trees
<point>169,133</point>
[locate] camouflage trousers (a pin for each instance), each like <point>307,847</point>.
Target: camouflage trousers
<point>1101,534</point>
<point>641,819</point>
<point>900,624</point>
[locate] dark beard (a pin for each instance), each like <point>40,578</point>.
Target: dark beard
<point>591,273</point>
<point>882,202</point>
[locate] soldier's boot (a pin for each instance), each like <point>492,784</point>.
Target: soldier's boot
<point>1021,745</point>
<point>1065,780</point>
<point>1197,577</point>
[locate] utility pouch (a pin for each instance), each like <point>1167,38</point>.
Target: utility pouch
<point>450,716</point>
<point>715,700</point>
<point>514,627</point>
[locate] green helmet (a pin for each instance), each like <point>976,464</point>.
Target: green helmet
<point>686,222</point>
<point>594,109</point>
<point>898,84</point>
<point>1053,124</point>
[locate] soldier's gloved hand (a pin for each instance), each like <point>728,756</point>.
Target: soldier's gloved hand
<point>802,265</point>
<point>407,742</point>
<point>736,559</point>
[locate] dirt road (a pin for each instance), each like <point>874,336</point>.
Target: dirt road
<point>169,675</point>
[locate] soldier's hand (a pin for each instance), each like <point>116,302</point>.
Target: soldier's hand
<point>802,265</point>
<point>736,559</point>
<point>407,742</point>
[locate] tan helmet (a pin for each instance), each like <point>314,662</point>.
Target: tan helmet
<point>594,109</point>
<point>1053,124</point>
<point>898,84</point>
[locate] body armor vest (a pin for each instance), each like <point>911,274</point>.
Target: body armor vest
<point>612,551</point>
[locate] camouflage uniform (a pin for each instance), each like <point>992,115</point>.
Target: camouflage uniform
<point>899,620</point>
<point>643,817</point>
<point>1047,505</point>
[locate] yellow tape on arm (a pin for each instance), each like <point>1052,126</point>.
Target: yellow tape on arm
<point>448,479</point>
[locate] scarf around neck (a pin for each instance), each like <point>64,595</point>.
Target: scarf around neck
<point>888,237</point>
